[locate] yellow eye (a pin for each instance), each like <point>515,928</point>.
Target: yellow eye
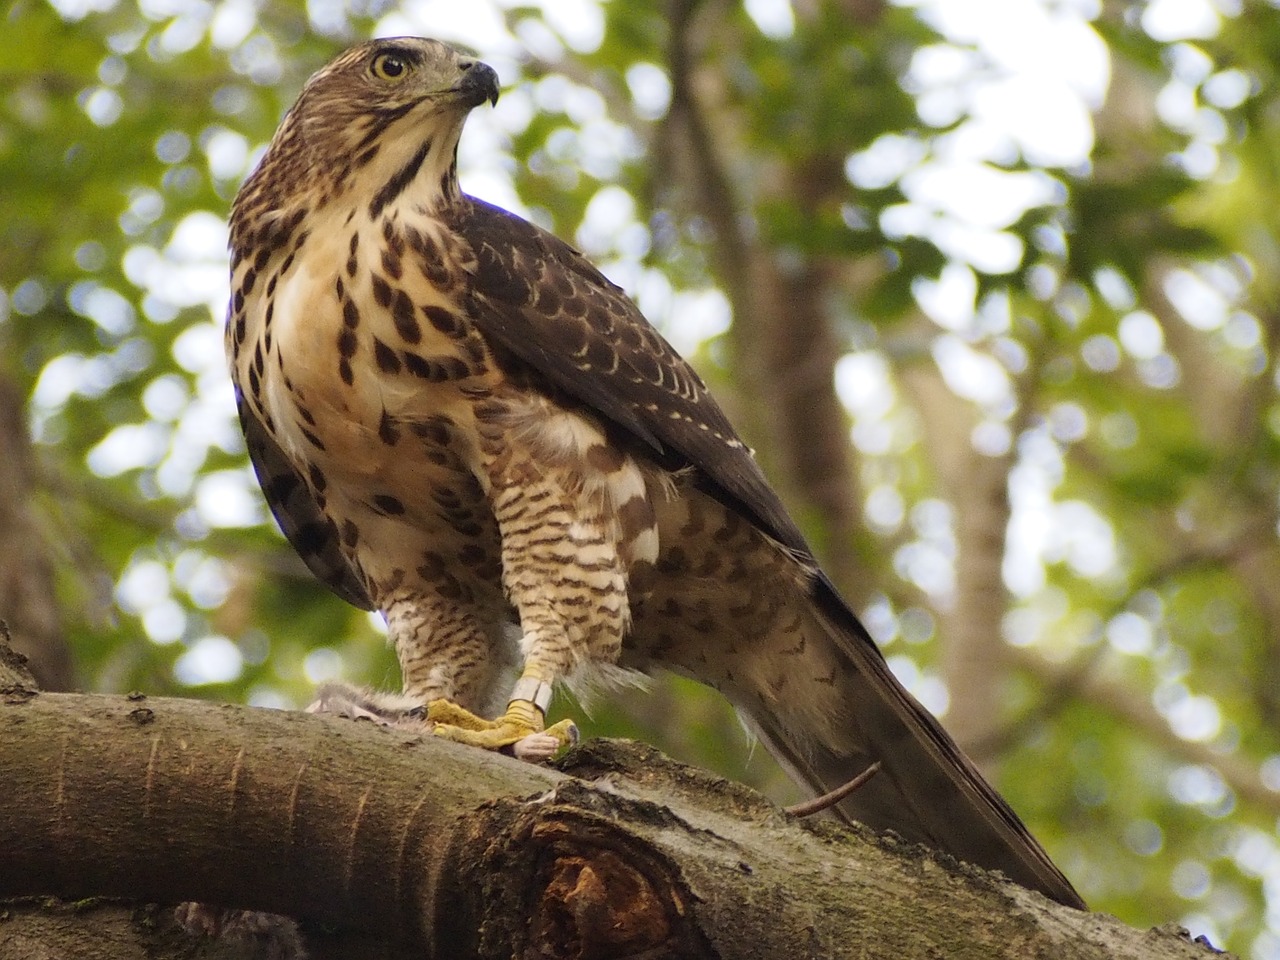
<point>390,67</point>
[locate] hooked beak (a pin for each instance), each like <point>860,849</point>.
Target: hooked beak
<point>478,84</point>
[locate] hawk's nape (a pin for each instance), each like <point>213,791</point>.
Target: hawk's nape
<point>459,421</point>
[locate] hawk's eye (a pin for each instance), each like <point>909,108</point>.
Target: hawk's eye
<point>389,66</point>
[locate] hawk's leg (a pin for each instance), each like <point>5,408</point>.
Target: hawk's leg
<point>447,661</point>
<point>444,653</point>
<point>523,721</point>
<point>562,571</point>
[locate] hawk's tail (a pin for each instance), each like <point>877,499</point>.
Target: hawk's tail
<point>927,790</point>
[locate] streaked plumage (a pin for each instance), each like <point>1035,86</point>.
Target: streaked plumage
<point>460,422</point>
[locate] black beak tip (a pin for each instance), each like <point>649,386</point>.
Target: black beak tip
<point>480,82</point>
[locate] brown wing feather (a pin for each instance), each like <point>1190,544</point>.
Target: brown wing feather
<point>546,303</point>
<point>310,532</point>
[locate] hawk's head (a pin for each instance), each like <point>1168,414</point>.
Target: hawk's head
<point>383,116</point>
<point>401,77</point>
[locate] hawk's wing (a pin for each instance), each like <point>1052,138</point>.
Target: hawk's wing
<point>310,532</point>
<point>544,302</point>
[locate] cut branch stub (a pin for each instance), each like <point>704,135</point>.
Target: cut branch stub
<point>590,888</point>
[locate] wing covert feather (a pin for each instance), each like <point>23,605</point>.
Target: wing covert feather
<point>545,303</point>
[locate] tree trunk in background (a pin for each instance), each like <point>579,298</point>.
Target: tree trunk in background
<point>974,661</point>
<point>28,600</point>
<point>782,338</point>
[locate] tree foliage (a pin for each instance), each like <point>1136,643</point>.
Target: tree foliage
<point>993,289</point>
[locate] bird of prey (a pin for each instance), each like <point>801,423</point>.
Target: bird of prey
<point>459,422</point>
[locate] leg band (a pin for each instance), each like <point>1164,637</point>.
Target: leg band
<point>534,690</point>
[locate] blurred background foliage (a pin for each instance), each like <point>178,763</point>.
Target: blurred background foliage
<point>992,287</point>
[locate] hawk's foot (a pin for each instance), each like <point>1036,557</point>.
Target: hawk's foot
<point>520,729</point>
<point>448,714</point>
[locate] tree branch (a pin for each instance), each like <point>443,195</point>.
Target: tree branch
<point>459,853</point>
<point>1136,710</point>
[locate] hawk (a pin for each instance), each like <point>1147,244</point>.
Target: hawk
<point>459,422</point>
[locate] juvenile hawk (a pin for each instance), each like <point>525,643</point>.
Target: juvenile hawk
<point>459,422</point>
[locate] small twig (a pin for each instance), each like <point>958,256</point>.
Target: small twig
<point>818,804</point>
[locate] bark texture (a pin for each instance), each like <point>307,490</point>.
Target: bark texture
<point>425,848</point>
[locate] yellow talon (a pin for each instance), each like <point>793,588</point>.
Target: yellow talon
<point>566,731</point>
<point>523,720</point>
<point>449,713</point>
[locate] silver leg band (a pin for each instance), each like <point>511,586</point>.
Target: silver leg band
<point>537,692</point>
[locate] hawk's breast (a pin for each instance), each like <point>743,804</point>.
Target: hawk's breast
<point>384,394</point>
<point>362,337</point>
<point>356,359</point>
